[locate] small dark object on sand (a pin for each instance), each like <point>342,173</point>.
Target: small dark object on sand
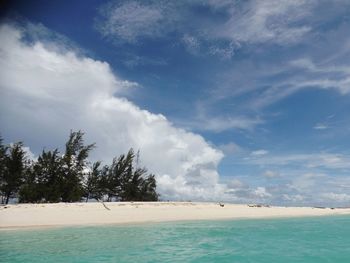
<point>255,205</point>
<point>222,205</point>
<point>258,205</point>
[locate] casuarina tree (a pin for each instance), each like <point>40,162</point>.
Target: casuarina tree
<point>13,172</point>
<point>74,163</point>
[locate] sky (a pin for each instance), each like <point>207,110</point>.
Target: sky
<point>235,101</point>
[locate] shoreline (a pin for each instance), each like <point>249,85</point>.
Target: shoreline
<point>56,215</point>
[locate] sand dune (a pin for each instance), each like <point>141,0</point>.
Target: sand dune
<point>73,214</point>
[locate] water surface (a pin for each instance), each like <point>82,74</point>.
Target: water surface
<point>322,239</point>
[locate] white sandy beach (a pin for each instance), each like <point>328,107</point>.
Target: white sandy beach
<point>74,214</point>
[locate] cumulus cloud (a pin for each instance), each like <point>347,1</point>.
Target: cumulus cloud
<point>45,92</point>
<point>235,184</point>
<point>261,192</point>
<point>47,88</point>
<point>293,198</point>
<point>306,181</point>
<point>292,179</point>
<point>243,193</point>
<point>337,197</point>
<point>317,189</point>
<point>29,154</point>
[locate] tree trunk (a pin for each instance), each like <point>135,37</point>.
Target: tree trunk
<point>7,198</point>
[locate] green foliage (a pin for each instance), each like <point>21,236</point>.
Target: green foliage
<point>148,189</point>
<point>94,186</point>
<point>73,163</point>
<point>130,183</point>
<point>3,151</point>
<point>13,172</point>
<point>68,178</point>
<point>43,182</point>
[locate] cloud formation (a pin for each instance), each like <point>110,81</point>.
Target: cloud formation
<point>129,20</point>
<point>226,26</point>
<point>271,21</point>
<point>45,92</point>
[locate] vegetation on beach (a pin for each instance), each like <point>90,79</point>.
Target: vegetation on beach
<point>70,177</point>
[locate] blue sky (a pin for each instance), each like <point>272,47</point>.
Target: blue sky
<point>245,101</point>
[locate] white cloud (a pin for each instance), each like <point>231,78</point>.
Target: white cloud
<point>305,160</point>
<point>220,124</point>
<point>305,179</point>
<point>254,86</point>
<point>259,152</point>
<point>243,193</point>
<point>46,90</point>
<point>230,148</point>
<point>247,22</point>
<point>265,21</point>
<point>326,76</point>
<point>225,51</point>
<point>338,197</point>
<point>235,184</point>
<point>45,93</point>
<point>293,198</point>
<point>306,182</point>
<point>271,174</point>
<point>29,154</point>
<point>133,61</point>
<point>191,43</point>
<point>320,126</point>
<point>129,21</point>
<point>261,192</point>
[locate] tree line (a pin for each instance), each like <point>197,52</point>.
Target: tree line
<point>70,177</point>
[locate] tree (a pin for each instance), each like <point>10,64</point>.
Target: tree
<point>43,181</point>
<point>148,189</point>
<point>29,192</point>
<point>127,191</point>
<point>56,178</point>
<point>3,151</point>
<point>133,183</point>
<point>93,187</point>
<point>50,175</point>
<point>15,165</point>
<point>115,177</point>
<point>74,161</point>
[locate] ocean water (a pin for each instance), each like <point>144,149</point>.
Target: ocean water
<point>322,239</point>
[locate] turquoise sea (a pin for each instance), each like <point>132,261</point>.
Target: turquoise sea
<point>322,239</point>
